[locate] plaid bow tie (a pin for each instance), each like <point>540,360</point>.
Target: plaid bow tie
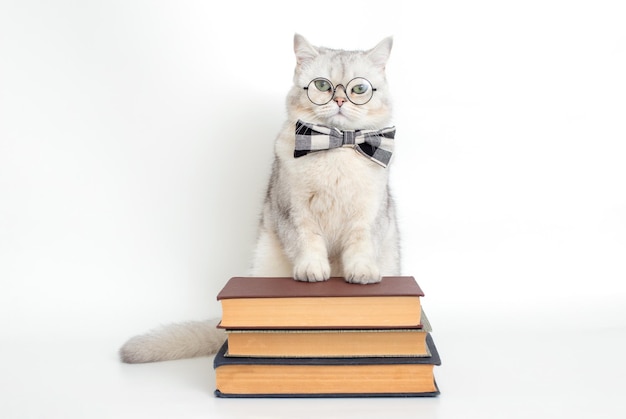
<point>376,145</point>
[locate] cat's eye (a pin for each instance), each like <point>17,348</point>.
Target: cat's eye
<point>360,89</point>
<point>322,85</point>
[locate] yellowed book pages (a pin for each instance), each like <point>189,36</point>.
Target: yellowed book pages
<point>327,343</point>
<point>321,312</point>
<point>325,379</point>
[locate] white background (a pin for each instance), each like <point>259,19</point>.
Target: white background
<point>135,144</point>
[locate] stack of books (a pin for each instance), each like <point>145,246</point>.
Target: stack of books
<point>296,339</point>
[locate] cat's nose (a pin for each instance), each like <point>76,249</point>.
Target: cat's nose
<point>340,98</point>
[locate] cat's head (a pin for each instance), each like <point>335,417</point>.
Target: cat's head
<point>361,99</point>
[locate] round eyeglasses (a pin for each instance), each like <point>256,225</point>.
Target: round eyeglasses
<point>359,91</point>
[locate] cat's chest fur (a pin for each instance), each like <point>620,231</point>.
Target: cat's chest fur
<point>338,179</point>
<point>339,184</point>
<point>334,189</point>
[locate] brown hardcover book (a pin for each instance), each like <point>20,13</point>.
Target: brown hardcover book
<point>326,377</point>
<point>254,302</point>
<point>333,343</point>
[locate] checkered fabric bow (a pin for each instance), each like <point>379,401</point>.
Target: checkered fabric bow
<point>376,145</point>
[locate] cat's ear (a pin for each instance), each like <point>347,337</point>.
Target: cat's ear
<point>380,53</point>
<point>303,49</point>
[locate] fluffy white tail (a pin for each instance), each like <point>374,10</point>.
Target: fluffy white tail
<point>174,341</point>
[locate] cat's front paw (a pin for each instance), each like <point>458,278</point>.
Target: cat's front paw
<point>312,270</point>
<point>362,272</point>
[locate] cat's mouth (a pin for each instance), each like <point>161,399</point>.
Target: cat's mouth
<point>341,112</point>
<point>339,118</point>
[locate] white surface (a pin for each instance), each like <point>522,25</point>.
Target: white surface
<point>486,374</point>
<point>136,140</point>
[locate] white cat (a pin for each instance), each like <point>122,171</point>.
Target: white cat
<point>326,213</point>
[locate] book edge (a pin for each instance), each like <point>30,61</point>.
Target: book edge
<point>435,393</point>
<point>434,359</point>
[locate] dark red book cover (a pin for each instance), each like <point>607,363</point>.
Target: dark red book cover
<point>270,287</point>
